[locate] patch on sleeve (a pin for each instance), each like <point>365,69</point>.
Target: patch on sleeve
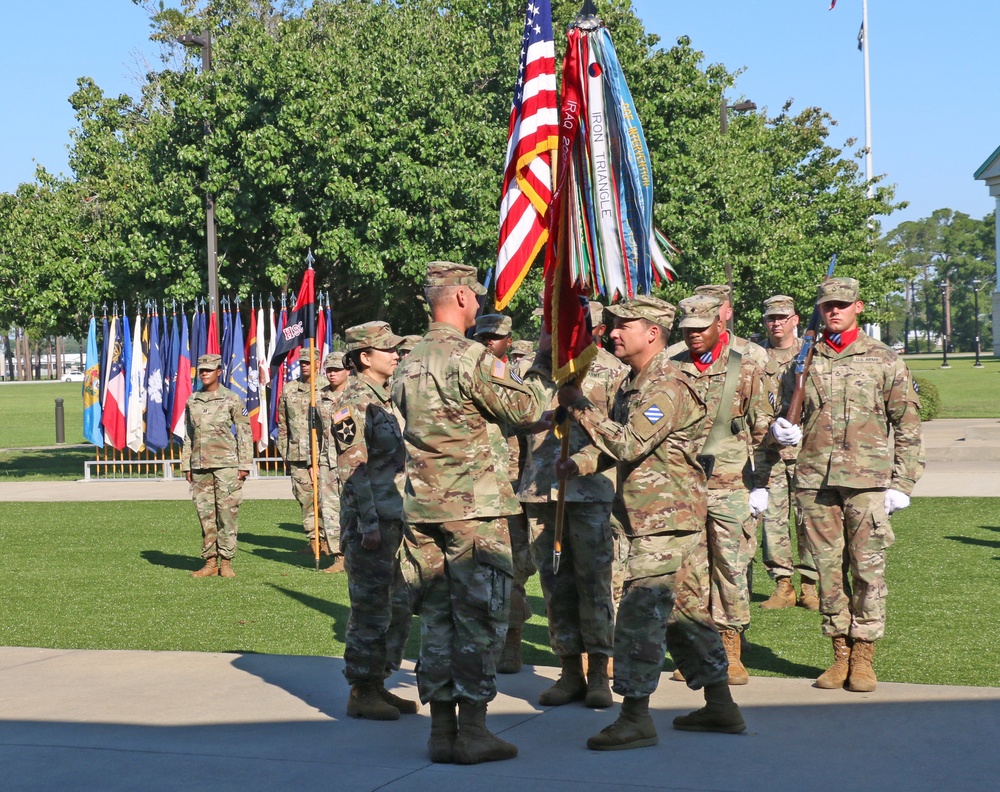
<point>499,369</point>
<point>345,431</point>
<point>341,414</point>
<point>653,414</point>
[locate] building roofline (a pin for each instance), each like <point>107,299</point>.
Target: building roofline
<point>985,165</point>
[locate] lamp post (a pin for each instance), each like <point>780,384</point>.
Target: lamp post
<point>204,42</point>
<point>724,108</point>
<point>944,329</point>
<point>977,284</point>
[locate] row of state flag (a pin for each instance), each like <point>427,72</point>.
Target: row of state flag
<point>140,373</point>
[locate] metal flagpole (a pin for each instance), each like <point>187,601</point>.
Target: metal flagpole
<point>865,39</point>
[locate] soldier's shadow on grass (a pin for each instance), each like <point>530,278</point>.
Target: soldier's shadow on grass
<point>336,611</point>
<point>761,658</point>
<point>277,548</point>
<point>971,540</point>
<point>172,560</point>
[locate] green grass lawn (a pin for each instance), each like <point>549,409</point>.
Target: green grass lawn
<point>28,409</point>
<point>966,392</point>
<point>115,576</point>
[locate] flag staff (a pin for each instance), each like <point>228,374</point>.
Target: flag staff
<point>313,419</point>
<point>863,40</point>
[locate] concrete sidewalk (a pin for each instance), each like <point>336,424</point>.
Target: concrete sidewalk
<point>115,720</point>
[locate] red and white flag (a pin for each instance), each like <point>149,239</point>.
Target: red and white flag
<point>532,137</point>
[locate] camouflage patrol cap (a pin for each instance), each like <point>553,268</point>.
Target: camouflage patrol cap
<point>645,307</point>
<point>521,348</point>
<point>721,291</point>
<point>596,313</point>
<point>408,343</point>
<point>779,305</point>
<point>838,290</point>
<point>449,273</point>
<point>209,362</point>
<point>494,324</point>
<point>371,335</point>
<point>308,354</point>
<point>334,361</point>
<point>699,311</point>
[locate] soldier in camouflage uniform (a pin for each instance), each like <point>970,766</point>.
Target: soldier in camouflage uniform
<point>737,486</point>
<point>782,345</point>
<point>577,600</point>
<point>662,509</point>
<point>327,401</point>
<point>455,397</point>
<point>215,463</point>
<point>371,458</point>
<point>852,472</point>
<point>407,344</point>
<point>520,350</point>
<point>746,348</point>
<point>295,446</point>
<point>493,331</point>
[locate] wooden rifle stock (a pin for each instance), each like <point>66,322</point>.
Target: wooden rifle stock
<point>803,360</point>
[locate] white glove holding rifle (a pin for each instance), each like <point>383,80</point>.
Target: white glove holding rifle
<point>788,434</point>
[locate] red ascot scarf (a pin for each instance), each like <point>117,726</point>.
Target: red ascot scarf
<point>703,362</point>
<point>838,342</point>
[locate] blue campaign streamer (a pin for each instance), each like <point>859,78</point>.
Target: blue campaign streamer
<point>636,183</point>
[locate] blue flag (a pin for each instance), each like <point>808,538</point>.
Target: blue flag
<point>157,435</point>
<point>171,351</point>
<point>92,428</point>
<point>238,364</point>
<point>199,341</point>
<point>226,350</point>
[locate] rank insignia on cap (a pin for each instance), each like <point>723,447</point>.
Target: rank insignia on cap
<point>499,369</point>
<point>653,414</point>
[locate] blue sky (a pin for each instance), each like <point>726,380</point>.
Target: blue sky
<point>934,80</point>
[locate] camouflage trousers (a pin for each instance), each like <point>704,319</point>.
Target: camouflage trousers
<point>662,610</point>
<point>458,575</point>
<point>732,542</point>
<point>776,545</point>
<point>578,599</point>
<point>848,533</point>
<point>329,506</point>
<point>524,567</point>
<point>379,625</point>
<point>217,495</point>
<point>302,489</point>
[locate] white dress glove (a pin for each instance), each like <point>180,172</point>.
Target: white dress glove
<point>758,501</point>
<point>895,500</point>
<point>788,434</point>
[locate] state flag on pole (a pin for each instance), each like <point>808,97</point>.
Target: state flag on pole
<point>532,137</point>
<point>137,389</point>
<point>157,435</point>
<point>113,418</point>
<point>198,344</point>
<point>253,378</point>
<point>92,390</point>
<point>212,337</point>
<point>182,391</point>
<point>237,364</point>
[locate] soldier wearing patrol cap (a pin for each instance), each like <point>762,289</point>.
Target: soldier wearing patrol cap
<point>407,344</point>
<point>730,448</point>
<point>493,331</point>
<point>454,397</point>
<point>215,463</point>
<point>367,431</point>
<point>295,446</point>
<point>782,345</point>
<point>327,401</point>
<point>519,350</point>
<point>661,507</point>
<point>724,295</point>
<point>861,455</point>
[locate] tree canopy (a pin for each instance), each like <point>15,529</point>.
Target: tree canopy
<point>374,134</point>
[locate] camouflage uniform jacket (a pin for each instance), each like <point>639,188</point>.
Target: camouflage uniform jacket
<point>651,431</point>
<point>371,459</point>
<point>294,443</point>
<point>327,402</point>
<point>455,397</point>
<point>780,368</point>
<point>740,458</point>
<point>209,441</point>
<point>538,481</point>
<point>851,400</point>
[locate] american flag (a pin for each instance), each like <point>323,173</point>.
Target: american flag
<point>533,136</point>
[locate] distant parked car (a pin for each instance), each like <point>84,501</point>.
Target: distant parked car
<point>73,376</point>
<point>899,346</point>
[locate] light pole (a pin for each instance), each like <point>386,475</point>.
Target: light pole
<point>724,108</point>
<point>944,329</point>
<point>204,42</point>
<point>977,284</point>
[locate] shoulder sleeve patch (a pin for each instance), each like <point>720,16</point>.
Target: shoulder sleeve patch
<point>341,414</point>
<point>499,369</point>
<point>653,414</point>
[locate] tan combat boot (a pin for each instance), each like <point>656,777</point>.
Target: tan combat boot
<point>783,596</point>
<point>808,598</point>
<point>571,686</point>
<point>633,729</point>
<point>365,702</point>
<point>226,568</point>
<point>737,671</point>
<point>405,706</point>
<point>510,658</point>
<point>598,685</point>
<point>836,675</point>
<point>444,730</point>
<point>476,743</point>
<point>211,568</point>
<point>337,565</point>
<point>862,676</point>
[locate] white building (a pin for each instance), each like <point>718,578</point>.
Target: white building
<point>989,172</point>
